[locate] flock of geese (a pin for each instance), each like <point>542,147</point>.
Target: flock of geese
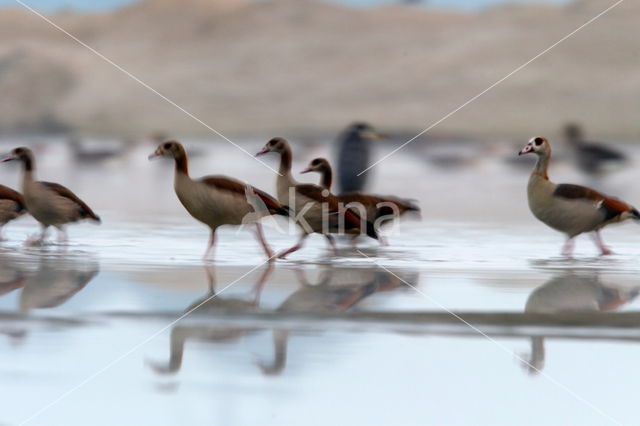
<point>220,200</point>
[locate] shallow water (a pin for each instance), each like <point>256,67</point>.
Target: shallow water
<point>469,317</point>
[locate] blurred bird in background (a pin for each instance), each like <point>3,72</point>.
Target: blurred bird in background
<point>354,151</point>
<point>592,158</point>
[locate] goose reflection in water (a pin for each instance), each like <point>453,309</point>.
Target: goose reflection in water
<point>338,289</point>
<point>54,282</point>
<point>329,295</point>
<point>12,276</point>
<point>210,303</point>
<point>571,292</point>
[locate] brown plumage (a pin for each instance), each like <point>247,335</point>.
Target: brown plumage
<point>218,200</point>
<point>49,203</point>
<point>316,209</point>
<point>571,209</point>
<point>11,206</point>
<point>374,207</point>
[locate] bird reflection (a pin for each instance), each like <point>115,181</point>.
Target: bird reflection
<point>329,295</point>
<point>12,276</point>
<point>211,303</point>
<point>334,292</point>
<point>571,292</point>
<point>54,282</point>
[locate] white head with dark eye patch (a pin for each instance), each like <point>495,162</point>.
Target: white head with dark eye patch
<point>537,145</point>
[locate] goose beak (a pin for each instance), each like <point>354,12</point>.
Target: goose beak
<point>375,135</point>
<point>262,151</point>
<point>7,158</point>
<point>156,154</point>
<point>307,170</point>
<point>527,149</point>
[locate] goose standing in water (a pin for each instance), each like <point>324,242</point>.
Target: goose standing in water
<point>316,209</point>
<point>49,203</point>
<point>376,207</point>
<point>218,200</point>
<point>353,156</point>
<point>571,209</point>
<point>11,206</point>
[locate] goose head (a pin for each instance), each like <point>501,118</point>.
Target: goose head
<point>538,145</point>
<point>365,131</point>
<point>277,145</point>
<point>317,165</point>
<point>20,154</point>
<point>169,149</point>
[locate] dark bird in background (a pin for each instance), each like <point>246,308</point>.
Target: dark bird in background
<point>84,154</point>
<point>353,156</point>
<point>593,158</point>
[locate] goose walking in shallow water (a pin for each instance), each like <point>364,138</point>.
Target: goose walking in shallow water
<point>11,206</point>
<point>316,209</point>
<point>376,207</point>
<point>49,203</point>
<point>571,209</point>
<point>218,200</point>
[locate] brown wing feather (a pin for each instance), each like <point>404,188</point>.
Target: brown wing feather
<point>612,206</point>
<point>351,219</point>
<point>66,192</point>
<point>225,183</point>
<point>7,193</point>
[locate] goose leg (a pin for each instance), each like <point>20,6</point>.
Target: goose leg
<point>567,249</point>
<point>62,235</point>
<point>298,246</point>
<point>332,243</point>
<point>263,242</point>
<point>212,242</point>
<point>604,250</point>
<point>34,240</point>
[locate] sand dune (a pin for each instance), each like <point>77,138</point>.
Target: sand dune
<point>256,68</point>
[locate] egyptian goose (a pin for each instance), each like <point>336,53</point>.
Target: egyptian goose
<point>571,209</point>
<point>316,209</point>
<point>592,158</point>
<point>219,200</point>
<point>11,206</point>
<point>49,203</point>
<point>353,156</point>
<point>376,208</point>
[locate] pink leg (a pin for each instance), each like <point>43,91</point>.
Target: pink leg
<point>567,249</point>
<point>263,242</point>
<point>604,250</point>
<point>212,241</point>
<point>297,247</point>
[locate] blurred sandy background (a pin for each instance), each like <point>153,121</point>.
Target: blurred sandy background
<point>257,68</point>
